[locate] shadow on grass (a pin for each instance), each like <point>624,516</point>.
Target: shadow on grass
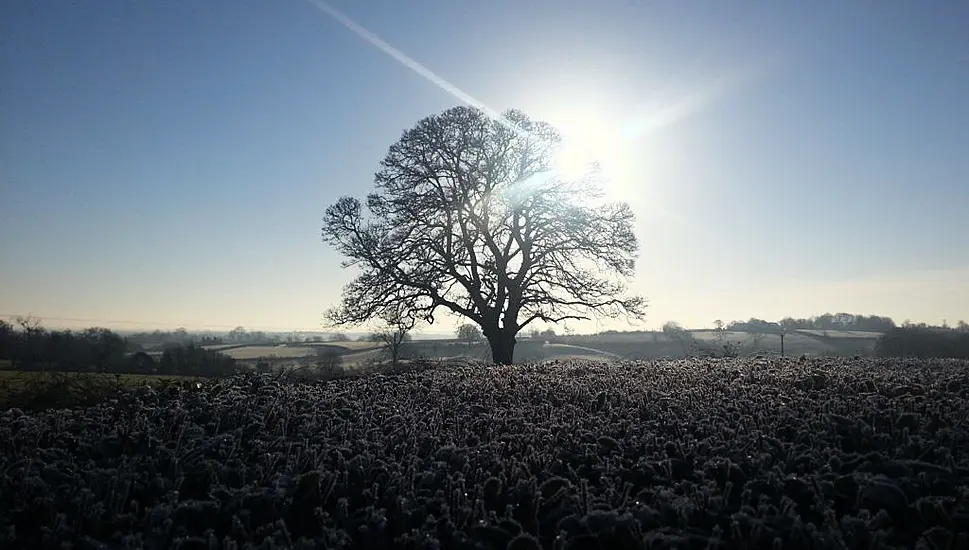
<point>37,391</point>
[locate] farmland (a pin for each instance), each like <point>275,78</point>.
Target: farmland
<point>705,453</point>
<point>601,347</point>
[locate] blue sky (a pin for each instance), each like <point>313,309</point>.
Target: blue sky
<point>170,162</point>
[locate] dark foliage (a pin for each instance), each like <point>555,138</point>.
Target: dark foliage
<point>101,350</point>
<point>843,321</point>
<point>923,342</point>
<point>699,454</point>
<point>40,391</point>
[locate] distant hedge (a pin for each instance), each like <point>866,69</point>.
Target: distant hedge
<point>923,342</point>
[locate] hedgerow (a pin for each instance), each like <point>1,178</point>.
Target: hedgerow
<point>706,453</point>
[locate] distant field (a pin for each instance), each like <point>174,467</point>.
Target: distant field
<point>348,350</point>
<point>352,346</point>
<point>282,351</point>
<point>570,351</point>
<point>711,336</point>
<point>618,338</point>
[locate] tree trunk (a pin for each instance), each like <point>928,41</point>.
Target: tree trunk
<point>502,347</point>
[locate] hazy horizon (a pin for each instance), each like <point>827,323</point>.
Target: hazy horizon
<point>169,163</point>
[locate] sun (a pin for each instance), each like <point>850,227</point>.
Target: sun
<point>586,143</point>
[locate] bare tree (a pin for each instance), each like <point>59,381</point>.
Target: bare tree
<point>466,218</point>
<point>30,325</point>
<point>394,333</point>
<point>32,329</point>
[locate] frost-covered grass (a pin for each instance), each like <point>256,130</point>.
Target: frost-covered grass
<point>690,454</point>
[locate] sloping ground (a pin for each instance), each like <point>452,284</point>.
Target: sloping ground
<point>841,333</point>
<point>354,345</point>
<point>557,350</point>
<point>220,347</point>
<point>687,454</point>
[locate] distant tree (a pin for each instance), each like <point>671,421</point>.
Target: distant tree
<point>338,337</point>
<point>394,333</point>
<point>194,360</point>
<point>672,327</point>
<point>719,327</point>
<point>466,217</point>
<point>676,333</point>
<point>825,321</point>
<point>962,326</point>
<point>31,344</point>
<point>7,339</point>
<point>548,333</point>
<point>469,334</point>
<point>106,348</point>
<point>238,334</point>
<point>328,358</point>
<point>29,325</point>
<point>142,363</point>
<point>756,338</point>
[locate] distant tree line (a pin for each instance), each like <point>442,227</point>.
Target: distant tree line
<point>827,321</point>
<point>840,321</point>
<point>158,339</point>
<point>30,347</point>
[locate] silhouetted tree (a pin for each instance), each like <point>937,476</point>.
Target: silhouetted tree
<point>195,360</point>
<point>7,339</point>
<point>465,218</point>
<point>105,347</point>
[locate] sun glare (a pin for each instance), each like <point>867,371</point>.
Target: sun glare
<point>584,145</point>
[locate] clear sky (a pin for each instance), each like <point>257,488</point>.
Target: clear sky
<point>169,162</point>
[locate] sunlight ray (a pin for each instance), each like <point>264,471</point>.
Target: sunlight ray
<point>412,64</point>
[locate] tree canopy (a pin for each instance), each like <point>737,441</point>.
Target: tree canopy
<point>468,216</point>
